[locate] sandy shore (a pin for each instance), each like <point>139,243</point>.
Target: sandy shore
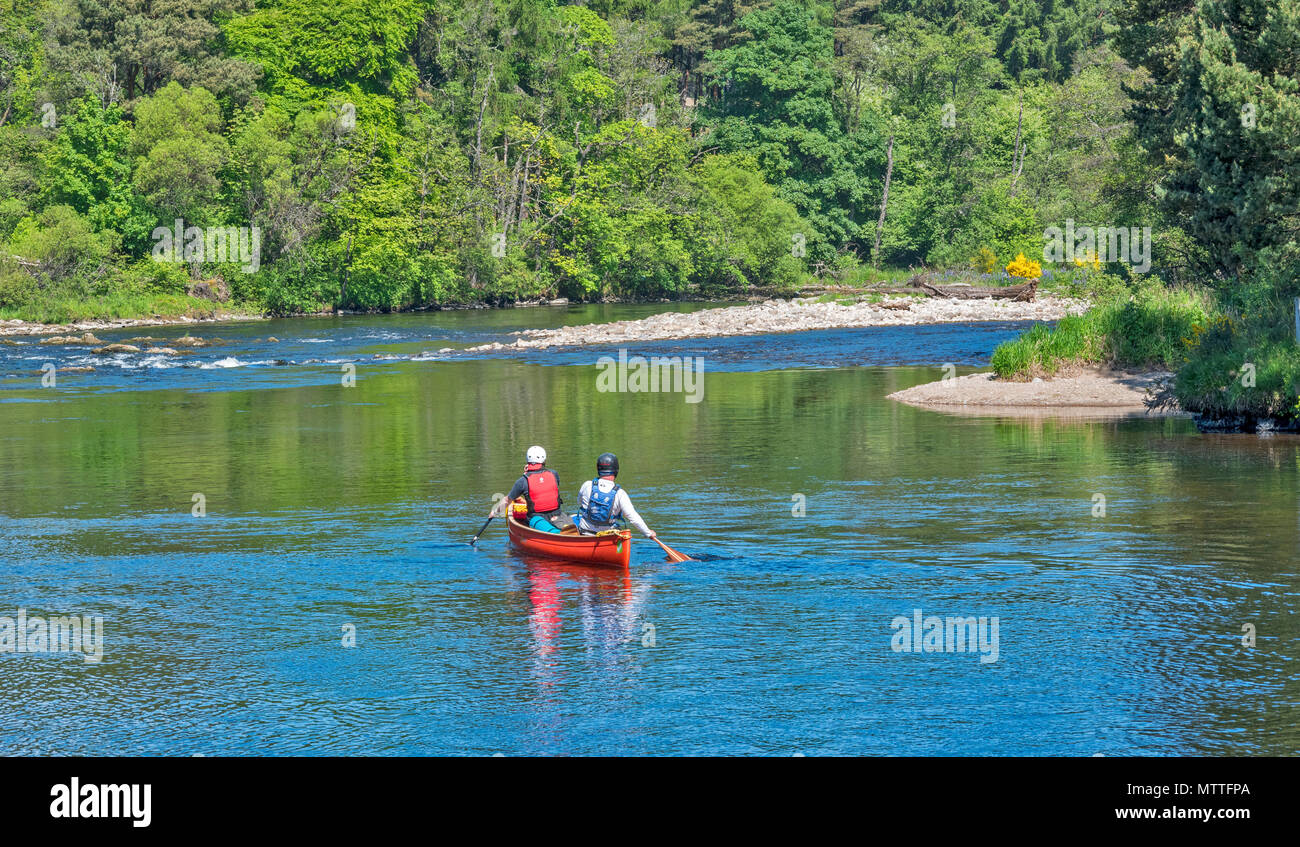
<point>18,327</point>
<point>1090,393</point>
<point>795,316</point>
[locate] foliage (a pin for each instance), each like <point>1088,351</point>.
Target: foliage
<point>1024,268</point>
<point>429,152</point>
<point>984,261</point>
<point>1148,328</point>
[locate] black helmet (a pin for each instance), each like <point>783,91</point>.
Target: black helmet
<point>607,465</point>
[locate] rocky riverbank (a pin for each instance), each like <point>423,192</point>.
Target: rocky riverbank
<point>20,327</point>
<point>1088,393</point>
<point>799,315</point>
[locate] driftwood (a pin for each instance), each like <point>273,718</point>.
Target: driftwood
<point>912,290</point>
<point>921,284</point>
<point>1024,292</point>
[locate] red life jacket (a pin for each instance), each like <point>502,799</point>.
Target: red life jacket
<point>543,493</point>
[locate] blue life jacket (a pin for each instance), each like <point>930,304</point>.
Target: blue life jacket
<point>600,504</point>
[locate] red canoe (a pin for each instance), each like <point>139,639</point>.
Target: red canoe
<point>612,549</point>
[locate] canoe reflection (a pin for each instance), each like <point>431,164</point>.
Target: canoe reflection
<point>606,602</point>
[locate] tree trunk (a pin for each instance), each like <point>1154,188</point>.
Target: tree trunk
<point>478,128</point>
<point>884,201</point>
<point>1017,152</point>
<point>343,289</point>
<point>523,189</point>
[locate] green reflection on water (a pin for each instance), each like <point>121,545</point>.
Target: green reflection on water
<point>882,480</point>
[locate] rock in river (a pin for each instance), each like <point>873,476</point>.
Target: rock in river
<point>88,338</point>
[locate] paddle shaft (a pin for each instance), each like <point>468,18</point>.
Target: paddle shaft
<point>480,530</point>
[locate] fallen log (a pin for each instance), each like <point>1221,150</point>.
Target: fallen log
<point>912,290</point>
<point>1024,292</point>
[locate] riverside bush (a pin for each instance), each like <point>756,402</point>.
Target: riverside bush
<point>1244,364</point>
<point>1150,328</point>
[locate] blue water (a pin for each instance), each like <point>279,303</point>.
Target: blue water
<point>330,507</point>
<point>308,351</point>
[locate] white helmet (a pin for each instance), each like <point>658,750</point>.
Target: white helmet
<point>536,455</point>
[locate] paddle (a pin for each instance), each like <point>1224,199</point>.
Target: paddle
<point>474,540</point>
<point>673,555</point>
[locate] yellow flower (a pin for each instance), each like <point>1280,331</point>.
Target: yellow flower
<point>985,260</point>
<point>1088,258</point>
<point>1024,268</point>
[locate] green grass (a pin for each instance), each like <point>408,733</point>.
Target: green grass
<point>1255,379</point>
<point>1153,327</point>
<point>842,299</point>
<point>863,275</point>
<point>1087,283</point>
<point>63,309</point>
<point>1244,364</point>
<point>1228,368</point>
<point>1043,352</point>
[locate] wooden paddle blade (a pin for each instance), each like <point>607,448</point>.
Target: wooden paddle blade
<point>673,555</point>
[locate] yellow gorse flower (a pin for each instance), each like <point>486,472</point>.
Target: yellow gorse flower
<point>1088,258</point>
<point>1024,268</point>
<point>985,261</point>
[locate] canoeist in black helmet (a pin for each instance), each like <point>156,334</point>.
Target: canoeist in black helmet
<point>602,500</point>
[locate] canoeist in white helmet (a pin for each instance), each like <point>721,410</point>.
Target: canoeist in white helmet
<point>602,500</point>
<point>540,488</point>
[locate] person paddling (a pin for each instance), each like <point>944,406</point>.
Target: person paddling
<point>540,488</point>
<point>602,500</point>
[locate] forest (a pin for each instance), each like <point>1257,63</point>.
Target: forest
<point>418,153</point>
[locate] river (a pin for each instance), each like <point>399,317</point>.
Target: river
<point>237,513</point>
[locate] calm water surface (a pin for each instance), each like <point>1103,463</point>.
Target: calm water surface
<point>330,506</point>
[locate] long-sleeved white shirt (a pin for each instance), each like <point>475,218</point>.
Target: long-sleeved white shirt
<point>622,506</point>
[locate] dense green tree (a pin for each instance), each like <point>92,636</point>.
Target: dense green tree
<point>87,167</point>
<point>179,150</point>
<point>1236,117</point>
<point>64,247</point>
<point>742,229</point>
<point>417,152</point>
<point>19,50</point>
<point>1033,39</point>
<point>121,50</point>
<point>778,105</point>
